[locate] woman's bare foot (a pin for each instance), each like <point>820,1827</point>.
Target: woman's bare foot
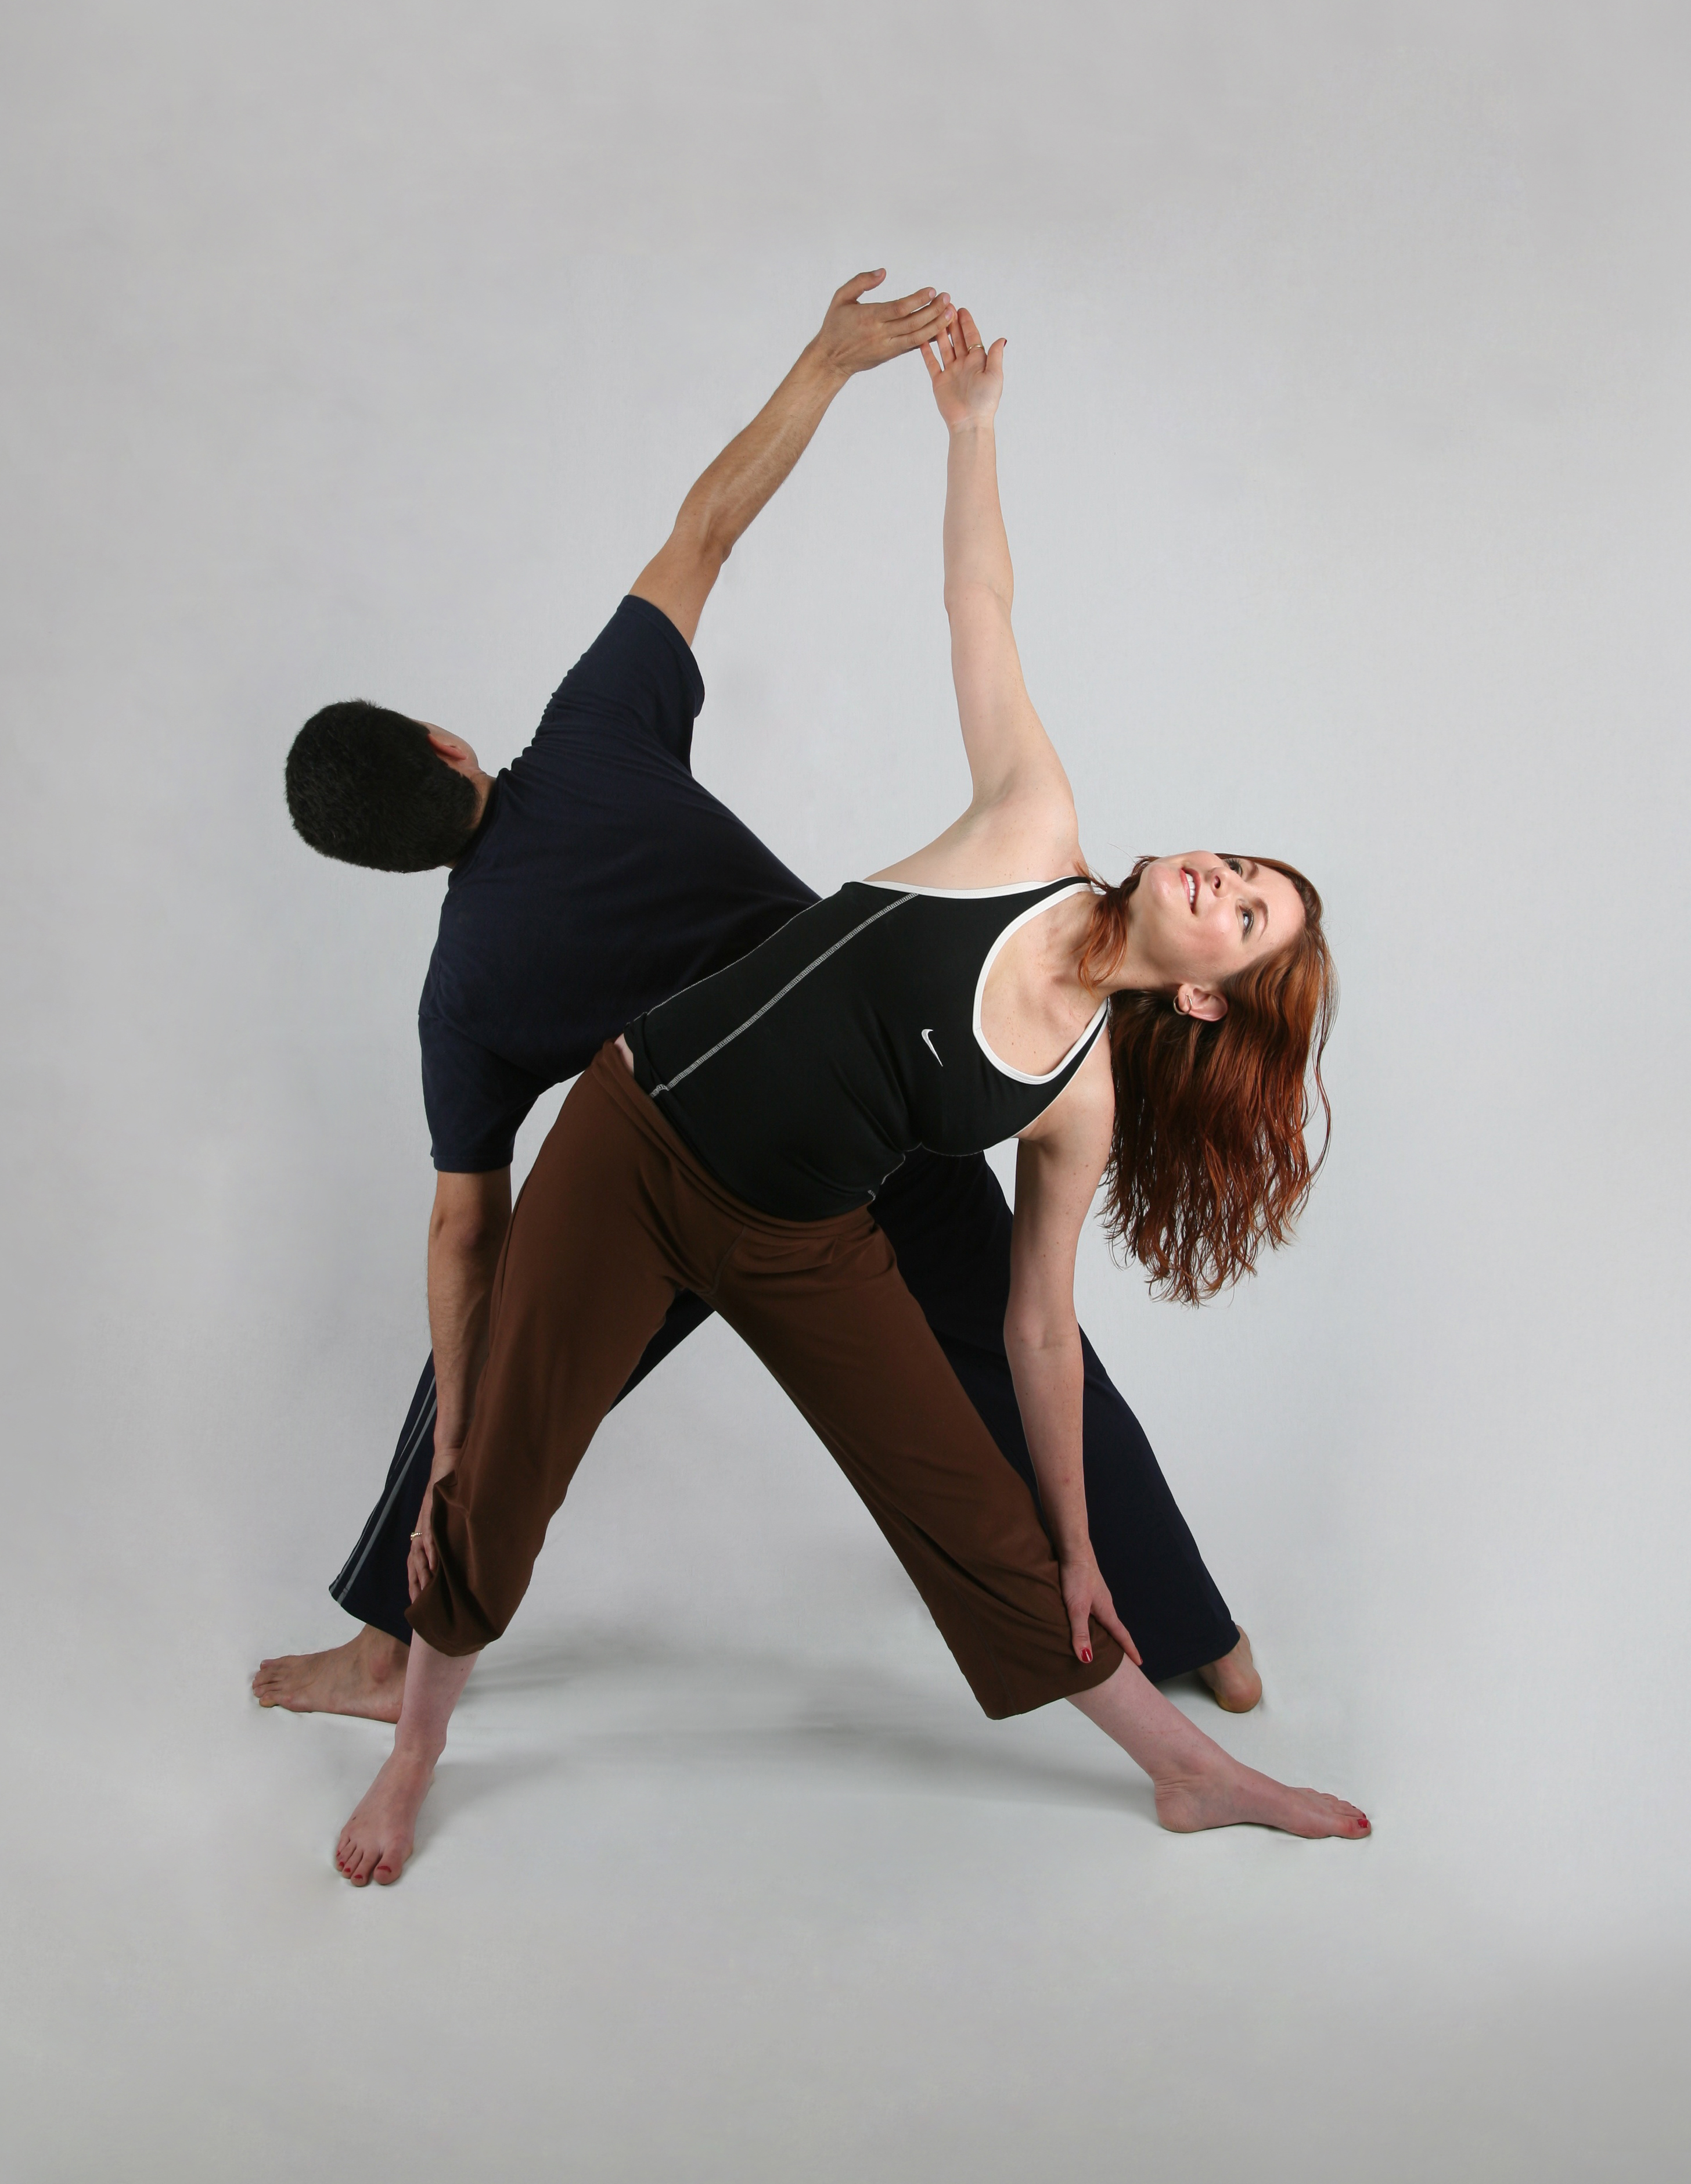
<point>365,1677</point>
<point>1224,1794</point>
<point>378,1839</point>
<point>1197,1783</point>
<point>1233,1678</point>
<point>377,1842</point>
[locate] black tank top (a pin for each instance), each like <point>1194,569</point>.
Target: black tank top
<point>803,1073</point>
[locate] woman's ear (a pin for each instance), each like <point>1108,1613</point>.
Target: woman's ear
<point>1200,1002</point>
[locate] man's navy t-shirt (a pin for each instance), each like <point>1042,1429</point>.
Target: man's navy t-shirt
<point>602,879</point>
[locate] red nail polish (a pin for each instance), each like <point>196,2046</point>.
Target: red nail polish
<point>1086,1655</point>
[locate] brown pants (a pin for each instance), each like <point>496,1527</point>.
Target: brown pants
<point>617,1217</point>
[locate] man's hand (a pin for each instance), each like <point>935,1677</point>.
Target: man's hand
<point>424,1559</point>
<point>968,377</point>
<point>1085,1595</point>
<point>856,336</point>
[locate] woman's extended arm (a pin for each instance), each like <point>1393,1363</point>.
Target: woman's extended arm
<point>1011,756</point>
<point>1058,1164</point>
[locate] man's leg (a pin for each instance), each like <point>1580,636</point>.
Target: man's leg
<point>948,1222</point>
<point>366,1676</point>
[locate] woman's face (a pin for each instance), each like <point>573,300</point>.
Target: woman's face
<point>1198,918</point>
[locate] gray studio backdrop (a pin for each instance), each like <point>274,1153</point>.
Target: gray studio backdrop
<point>367,350</point>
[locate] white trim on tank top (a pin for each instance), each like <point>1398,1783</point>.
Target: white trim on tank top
<point>964,894</point>
<point>1033,911</point>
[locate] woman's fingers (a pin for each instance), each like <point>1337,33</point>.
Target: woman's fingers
<point>1103,1607</point>
<point>1124,1637</point>
<point>971,342</point>
<point>1079,1605</point>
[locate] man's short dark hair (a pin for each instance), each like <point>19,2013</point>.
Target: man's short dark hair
<point>368,787</point>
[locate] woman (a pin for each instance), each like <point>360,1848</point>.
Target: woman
<point>730,1142</point>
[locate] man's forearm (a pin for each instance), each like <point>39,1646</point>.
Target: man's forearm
<point>460,1287</point>
<point>855,337</point>
<point>727,496</point>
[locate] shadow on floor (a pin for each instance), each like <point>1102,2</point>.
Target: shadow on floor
<point>627,1703</point>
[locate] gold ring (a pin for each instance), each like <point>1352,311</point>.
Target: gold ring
<point>416,1535</point>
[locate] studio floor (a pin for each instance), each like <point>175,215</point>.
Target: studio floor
<point>762,1897</point>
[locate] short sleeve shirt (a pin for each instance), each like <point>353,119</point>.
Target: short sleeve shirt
<point>602,879</point>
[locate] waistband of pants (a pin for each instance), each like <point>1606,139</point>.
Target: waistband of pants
<point>610,1074</point>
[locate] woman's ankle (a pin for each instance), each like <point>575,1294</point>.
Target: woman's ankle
<point>417,1754</point>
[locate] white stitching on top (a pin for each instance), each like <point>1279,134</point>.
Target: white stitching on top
<point>680,1074</point>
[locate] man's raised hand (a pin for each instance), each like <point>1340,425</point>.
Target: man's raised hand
<point>727,494</point>
<point>856,336</point>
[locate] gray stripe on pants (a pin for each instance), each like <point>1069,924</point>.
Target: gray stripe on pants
<point>349,1576</point>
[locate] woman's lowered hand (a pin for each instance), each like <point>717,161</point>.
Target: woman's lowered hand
<point>1085,1597</point>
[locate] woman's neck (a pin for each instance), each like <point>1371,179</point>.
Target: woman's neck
<point>1129,972</point>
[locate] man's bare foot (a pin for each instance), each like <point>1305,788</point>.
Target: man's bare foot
<point>1233,1678</point>
<point>378,1839</point>
<point>365,1677</point>
<point>1225,1795</point>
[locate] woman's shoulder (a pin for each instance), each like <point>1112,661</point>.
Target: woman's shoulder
<point>991,850</point>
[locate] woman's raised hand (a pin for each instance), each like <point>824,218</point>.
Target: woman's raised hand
<point>968,377</point>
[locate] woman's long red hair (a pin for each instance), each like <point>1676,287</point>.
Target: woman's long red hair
<point>1208,1161</point>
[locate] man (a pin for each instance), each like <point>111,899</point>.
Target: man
<point>592,880</point>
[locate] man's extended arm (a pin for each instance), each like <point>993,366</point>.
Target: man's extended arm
<point>855,337</point>
<point>466,1229</point>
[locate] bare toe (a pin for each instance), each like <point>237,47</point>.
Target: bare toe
<point>377,1841</point>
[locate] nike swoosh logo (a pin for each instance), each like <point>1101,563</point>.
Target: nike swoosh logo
<point>927,1041</point>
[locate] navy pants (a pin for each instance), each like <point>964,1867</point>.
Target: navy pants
<point>949,1223</point>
